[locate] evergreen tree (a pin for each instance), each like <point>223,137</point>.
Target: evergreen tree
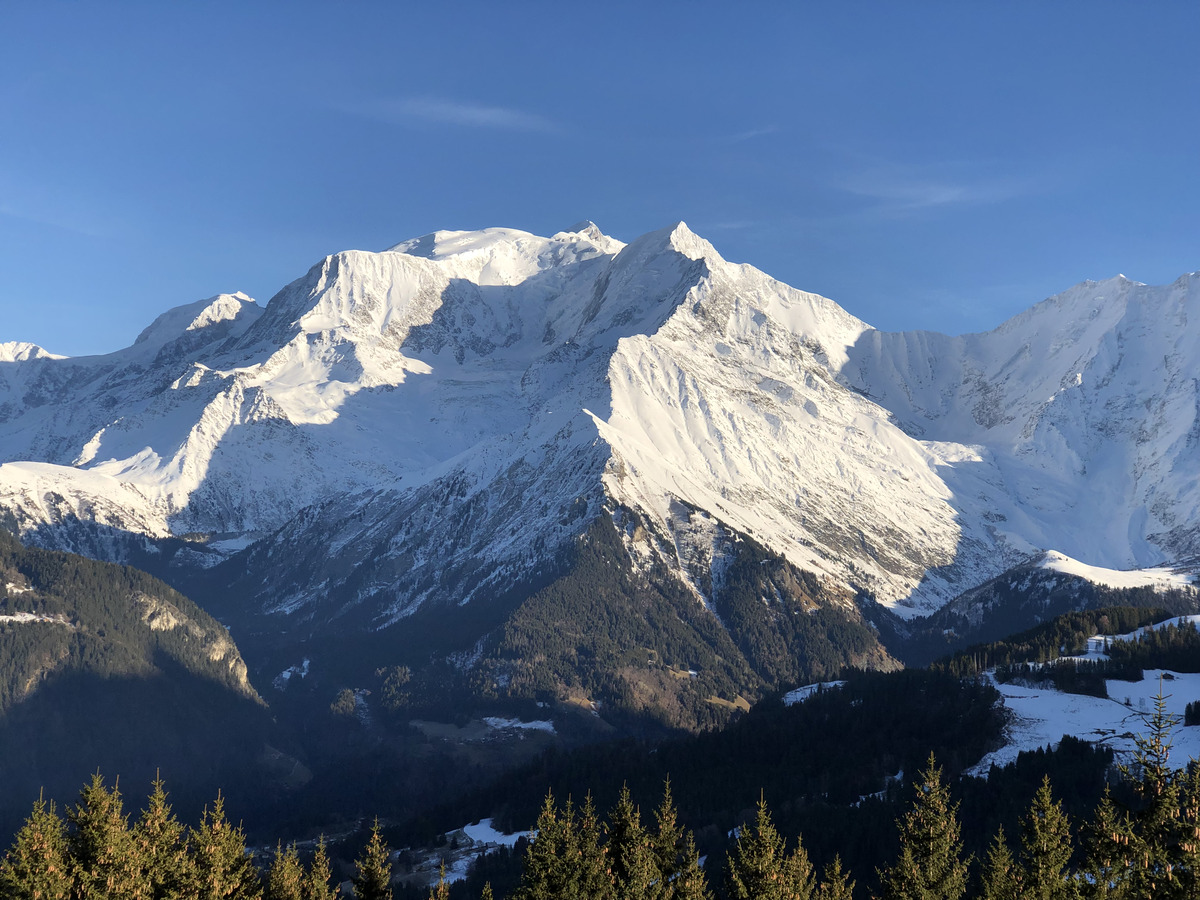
<point>592,876</point>
<point>566,860</point>
<point>930,866</point>
<point>631,853</point>
<point>761,869</point>
<point>688,882</point>
<point>1189,831</point>
<point>549,855</point>
<point>222,870</point>
<point>1156,833</point>
<point>1106,853</point>
<point>285,880</point>
<point>160,842</point>
<point>668,835</point>
<point>679,872</point>
<point>36,866</point>
<point>486,893</point>
<point>1001,877</point>
<point>316,882</point>
<point>103,856</point>
<point>1046,849</point>
<point>836,883</point>
<point>441,890</point>
<point>373,869</point>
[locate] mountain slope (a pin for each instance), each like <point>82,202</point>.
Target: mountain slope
<point>438,423</point>
<point>104,666</point>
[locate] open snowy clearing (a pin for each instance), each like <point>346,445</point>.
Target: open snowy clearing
<point>1041,716</point>
<point>800,694</point>
<point>22,618</point>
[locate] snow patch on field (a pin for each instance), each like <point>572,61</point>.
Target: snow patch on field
<point>501,724</point>
<point>482,832</point>
<point>24,618</point>
<point>281,680</point>
<point>800,694</point>
<point>1040,715</point>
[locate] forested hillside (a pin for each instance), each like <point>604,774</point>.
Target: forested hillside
<point>1138,841</point>
<point>105,666</point>
<point>640,645</point>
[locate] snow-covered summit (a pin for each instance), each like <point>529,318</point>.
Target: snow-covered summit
<point>468,401</point>
<point>228,314</point>
<point>1158,578</point>
<point>20,351</point>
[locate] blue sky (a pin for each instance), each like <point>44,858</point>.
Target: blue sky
<point>926,165</point>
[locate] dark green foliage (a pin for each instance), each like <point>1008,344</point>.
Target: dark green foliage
<point>1156,839</point>
<point>576,856</point>
<point>788,626</point>
<point>554,864</point>
<point>1018,601</point>
<point>392,694</point>
<point>760,868</point>
<point>441,890</point>
<point>221,869</point>
<point>121,673</point>
<point>1001,876</point>
<point>1191,713</point>
<point>104,860</point>
<point>373,869</point>
<point>316,881</point>
<point>1078,770</point>
<point>37,865</point>
<point>1065,635</point>
<point>603,633</point>
<point>285,880</point>
<point>343,704</point>
<point>160,842</point>
<point>95,855</point>
<point>688,881</point>
<point>1046,849</point>
<point>630,851</point>
<point>836,883</point>
<point>815,758</point>
<point>1175,646</point>
<point>931,865</point>
<point>680,875</point>
<point>1149,848</point>
<point>642,646</point>
<point>1086,677</point>
<point>117,621</point>
<point>1106,859</point>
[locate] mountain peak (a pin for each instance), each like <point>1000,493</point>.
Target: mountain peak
<point>442,244</point>
<point>691,244</point>
<point>592,232</point>
<point>234,313</point>
<point>22,351</point>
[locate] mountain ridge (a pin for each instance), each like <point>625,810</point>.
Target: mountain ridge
<point>474,395</point>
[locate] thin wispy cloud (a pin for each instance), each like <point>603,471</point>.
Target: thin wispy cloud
<point>751,134</point>
<point>441,111</point>
<point>896,190</point>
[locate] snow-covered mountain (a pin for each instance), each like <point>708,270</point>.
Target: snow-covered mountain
<point>439,420</point>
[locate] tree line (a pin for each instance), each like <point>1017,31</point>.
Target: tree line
<point>94,852</point>
<point>1140,842</point>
